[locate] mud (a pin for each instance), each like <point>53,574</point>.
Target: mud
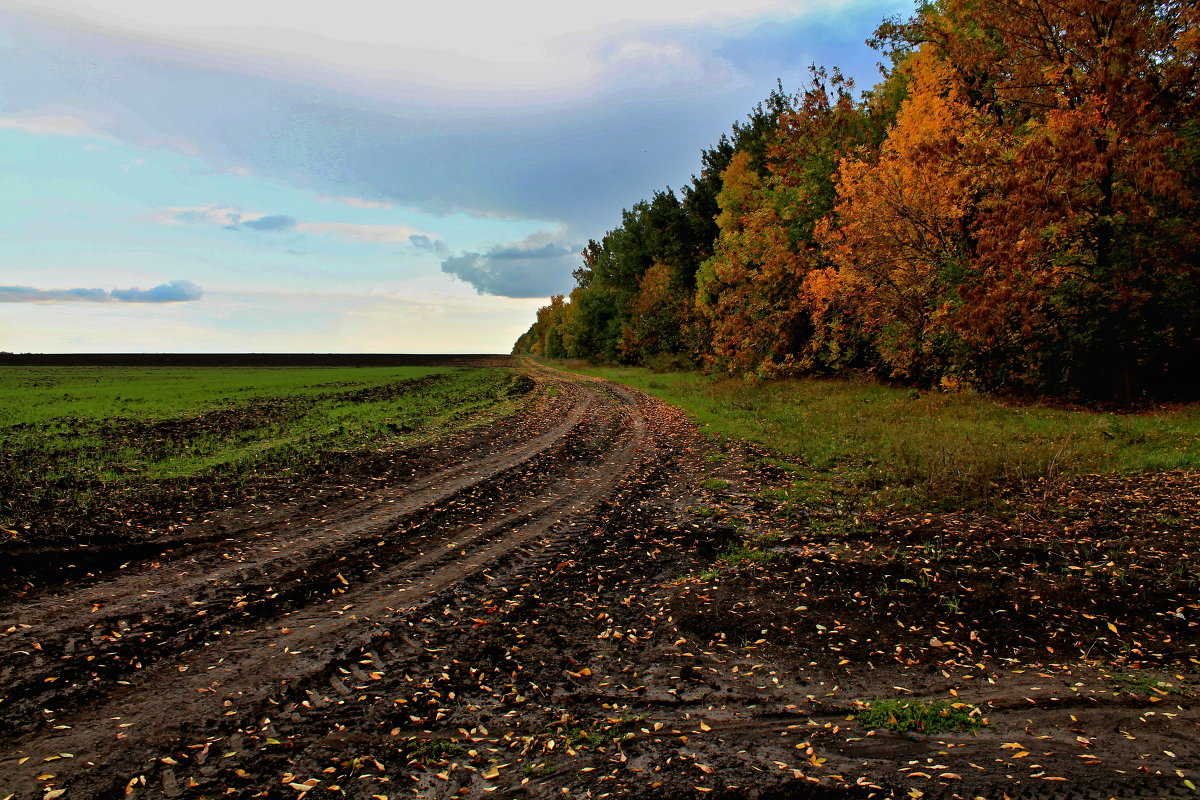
<point>516,614</point>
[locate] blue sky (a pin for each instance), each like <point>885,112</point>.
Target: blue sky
<point>354,177</point>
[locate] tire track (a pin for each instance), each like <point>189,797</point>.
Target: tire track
<point>170,702</point>
<point>165,602</point>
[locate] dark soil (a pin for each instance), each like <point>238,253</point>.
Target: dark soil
<point>533,612</point>
<point>84,516</point>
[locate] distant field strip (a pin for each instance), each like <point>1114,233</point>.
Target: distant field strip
<point>82,445</point>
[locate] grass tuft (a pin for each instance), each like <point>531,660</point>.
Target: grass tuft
<point>925,716</point>
<point>424,750</point>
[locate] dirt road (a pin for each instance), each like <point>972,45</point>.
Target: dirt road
<point>509,620</point>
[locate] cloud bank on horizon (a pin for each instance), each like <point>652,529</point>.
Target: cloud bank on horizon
<point>438,149</point>
<point>180,291</point>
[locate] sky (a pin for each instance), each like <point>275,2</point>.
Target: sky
<point>359,176</point>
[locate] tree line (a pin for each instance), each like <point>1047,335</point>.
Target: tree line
<point>1011,208</point>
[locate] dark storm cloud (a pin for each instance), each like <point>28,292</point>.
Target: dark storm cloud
<point>173,292</point>
<point>516,271</point>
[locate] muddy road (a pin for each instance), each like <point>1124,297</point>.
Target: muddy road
<point>514,619</point>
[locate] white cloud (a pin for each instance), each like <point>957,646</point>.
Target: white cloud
<point>175,144</point>
<point>516,31</point>
<point>225,216</point>
<point>54,122</point>
<point>357,202</point>
<point>212,214</point>
<point>519,46</point>
<point>357,232</point>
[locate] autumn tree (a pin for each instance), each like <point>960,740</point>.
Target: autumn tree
<point>901,238</point>
<point>1087,254</point>
<point>662,319</point>
<point>752,289</point>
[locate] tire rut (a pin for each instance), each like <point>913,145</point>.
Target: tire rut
<point>119,616</point>
<point>246,667</point>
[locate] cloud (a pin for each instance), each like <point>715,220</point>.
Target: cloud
<point>278,222</point>
<point>235,219</point>
<point>365,38</point>
<point>212,214</point>
<point>53,122</point>
<point>525,269</point>
<point>563,116</point>
<point>180,291</point>
<point>358,232</point>
<point>423,242</point>
<point>357,202</point>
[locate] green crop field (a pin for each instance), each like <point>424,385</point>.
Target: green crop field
<point>88,447</point>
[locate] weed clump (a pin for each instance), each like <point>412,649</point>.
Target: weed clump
<point>424,750</point>
<point>924,716</point>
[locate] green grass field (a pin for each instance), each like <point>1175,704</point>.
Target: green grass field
<point>82,445</point>
<point>893,445</point>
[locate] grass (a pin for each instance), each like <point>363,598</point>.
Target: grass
<point>745,552</point>
<point>925,716</point>
<point>1145,684</point>
<point>84,445</point>
<point>895,446</point>
<point>424,750</point>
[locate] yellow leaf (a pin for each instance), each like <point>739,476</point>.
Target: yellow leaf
<point>1112,628</point>
<point>492,774</point>
<point>704,726</point>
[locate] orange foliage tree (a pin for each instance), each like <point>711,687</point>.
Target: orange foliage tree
<point>900,237</point>
<point>752,289</point>
<point>1088,246</point>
